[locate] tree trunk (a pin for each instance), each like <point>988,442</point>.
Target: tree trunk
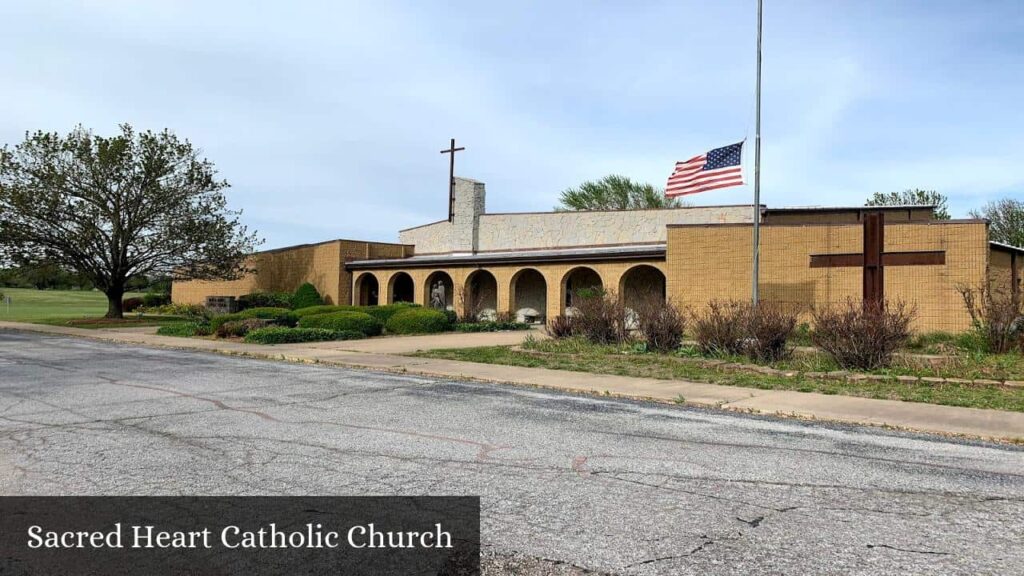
<point>115,306</point>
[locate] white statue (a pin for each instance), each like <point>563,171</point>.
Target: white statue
<point>438,298</point>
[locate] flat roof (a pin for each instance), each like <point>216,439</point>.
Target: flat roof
<point>848,208</point>
<point>1006,247</point>
<point>621,252</point>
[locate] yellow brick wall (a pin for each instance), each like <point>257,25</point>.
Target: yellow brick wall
<point>286,269</point>
<point>611,274</point>
<point>708,262</point>
<point>1000,270</point>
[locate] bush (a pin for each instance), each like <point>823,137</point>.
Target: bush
<point>131,304</point>
<point>283,335</point>
<point>720,328</point>
<point>306,296</point>
<point>238,328</point>
<point>265,300</point>
<point>861,335</point>
<point>338,321</point>
<point>560,327</point>
<point>349,335</point>
<point>385,312</point>
<point>768,328</point>
<point>151,299</point>
<point>185,329</point>
<point>490,326</point>
<point>279,316</point>
<point>599,317</point>
<point>193,312</point>
<point>325,309</point>
<point>660,323</point>
<point>418,321</point>
<point>995,316</point>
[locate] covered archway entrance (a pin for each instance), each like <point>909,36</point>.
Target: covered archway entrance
<point>367,290</point>
<point>401,288</point>
<point>529,293</point>
<point>641,284</point>
<point>578,279</point>
<point>480,298</point>
<point>439,291</point>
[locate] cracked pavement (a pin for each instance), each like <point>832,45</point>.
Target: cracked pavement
<point>569,484</point>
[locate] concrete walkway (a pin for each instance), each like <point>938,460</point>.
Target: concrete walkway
<point>382,354</point>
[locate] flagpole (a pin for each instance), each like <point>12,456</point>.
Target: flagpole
<point>757,163</point>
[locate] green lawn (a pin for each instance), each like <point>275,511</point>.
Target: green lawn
<point>79,308</point>
<point>576,356</point>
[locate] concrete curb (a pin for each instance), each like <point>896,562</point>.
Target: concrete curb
<point>970,422</point>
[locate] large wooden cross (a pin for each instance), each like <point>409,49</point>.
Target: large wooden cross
<point>451,178</point>
<point>874,260</point>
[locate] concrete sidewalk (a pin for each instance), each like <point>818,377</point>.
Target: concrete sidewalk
<point>381,354</point>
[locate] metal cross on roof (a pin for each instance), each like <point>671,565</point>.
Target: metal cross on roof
<point>451,178</point>
<point>874,259</point>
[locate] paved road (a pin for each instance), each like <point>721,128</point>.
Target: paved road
<point>569,483</point>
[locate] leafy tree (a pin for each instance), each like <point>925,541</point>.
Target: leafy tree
<point>615,192</point>
<point>910,197</point>
<point>1006,220</point>
<point>114,208</point>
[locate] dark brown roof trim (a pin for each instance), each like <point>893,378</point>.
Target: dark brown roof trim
<point>805,224</point>
<point>310,245</point>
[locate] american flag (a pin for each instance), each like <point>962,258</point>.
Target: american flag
<point>719,168</point>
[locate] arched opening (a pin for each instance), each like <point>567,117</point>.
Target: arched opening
<point>641,284</point>
<point>578,279</point>
<point>401,288</point>
<point>439,291</point>
<point>529,299</point>
<point>367,290</point>
<point>480,296</point>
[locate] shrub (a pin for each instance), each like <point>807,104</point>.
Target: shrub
<point>418,321</point>
<point>995,316</point>
<point>337,321</point>
<point>279,316</point>
<point>238,328</point>
<point>768,328</point>
<point>193,312</point>
<point>862,335</point>
<point>265,300</point>
<point>151,299</point>
<point>660,323</point>
<point>185,329</point>
<point>599,317</point>
<point>490,326</point>
<point>324,309</point>
<point>720,328</point>
<point>306,296</point>
<point>349,335</point>
<point>385,312</point>
<point>560,327</point>
<point>283,335</point>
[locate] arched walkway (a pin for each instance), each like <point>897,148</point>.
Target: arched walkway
<point>401,288</point>
<point>529,296</point>
<point>367,290</point>
<point>581,278</point>
<point>480,298</point>
<point>439,286</point>
<point>641,283</point>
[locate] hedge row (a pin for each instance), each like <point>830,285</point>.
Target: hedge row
<point>283,335</point>
<point>279,316</point>
<point>418,321</point>
<point>184,329</point>
<point>343,321</point>
<point>491,326</point>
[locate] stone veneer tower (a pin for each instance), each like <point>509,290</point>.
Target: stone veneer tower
<point>469,206</point>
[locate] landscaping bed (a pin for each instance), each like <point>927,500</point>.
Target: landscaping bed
<point>895,383</point>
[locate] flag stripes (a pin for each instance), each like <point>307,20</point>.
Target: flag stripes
<point>719,168</point>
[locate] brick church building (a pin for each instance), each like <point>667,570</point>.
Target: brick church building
<point>530,264</point>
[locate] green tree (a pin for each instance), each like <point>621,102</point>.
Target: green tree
<point>114,208</point>
<point>615,192</point>
<point>1005,220</point>
<point>913,197</point>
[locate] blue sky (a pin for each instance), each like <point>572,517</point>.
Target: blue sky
<point>327,117</point>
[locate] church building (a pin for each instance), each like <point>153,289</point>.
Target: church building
<point>529,265</point>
